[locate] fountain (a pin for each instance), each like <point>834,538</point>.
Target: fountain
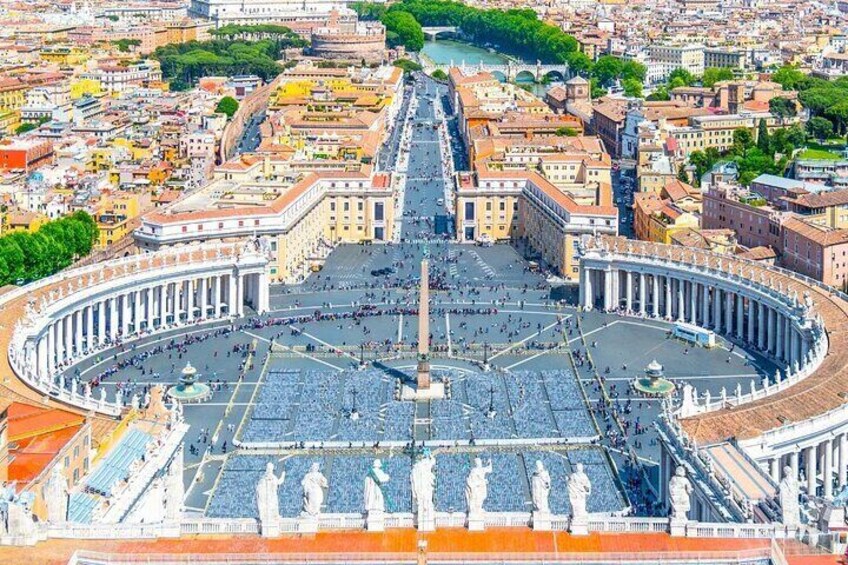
<point>653,383</point>
<point>189,390</point>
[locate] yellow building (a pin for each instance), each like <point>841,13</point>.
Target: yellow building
<point>23,220</point>
<point>657,220</point>
<point>12,94</point>
<point>500,205</point>
<point>64,56</point>
<point>116,214</point>
<point>85,87</point>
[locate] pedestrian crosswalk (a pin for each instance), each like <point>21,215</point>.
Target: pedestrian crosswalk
<point>485,267</point>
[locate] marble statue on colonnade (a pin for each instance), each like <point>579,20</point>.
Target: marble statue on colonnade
<point>476,491</point>
<point>540,489</point>
<point>579,489</point>
<point>56,495</point>
<point>375,500</point>
<point>680,492</point>
<point>267,500</point>
<point>314,484</point>
<point>788,492</point>
<point>423,481</point>
<point>541,486</point>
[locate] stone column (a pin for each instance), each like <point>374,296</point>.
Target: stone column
<point>629,292</point>
<point>41,354</point>
<point>643,292</point>
<point>113,317</point>
<point>78,333</point>
<point>101,322</point>
<point>761,326</point>
<point>125,315</point>
<point>717,310</point>
<point>68,331</point>
<point>751,320</point>
<point>740,316</point>
<point>148,308</point>
<point>216,298</point>
<point>655,300</point>
<point>774,469</point>
<point>190,294</point>
<point>827,470</point>
<point>780,341</point>
<point>59,341</point>
<point>232,307</point>
<point>669,309</point>
<point>810,456</point>
<point>49,339</point>
<point>705,306</point>
<point>794,349</point>
<point>681,300</point>
<point>204,297</point>
<point>842,459</point>
<point>163,305</point>
<point>728,313</point>
<point>693,303</point>
<point>240,281</point>
<point>89,327</point>
<point>770,331</point>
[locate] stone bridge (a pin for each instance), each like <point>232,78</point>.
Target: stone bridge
<point>509,71</point>
<point>433,32</point>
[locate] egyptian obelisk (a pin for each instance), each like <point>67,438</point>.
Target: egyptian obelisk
<point>423,380</point>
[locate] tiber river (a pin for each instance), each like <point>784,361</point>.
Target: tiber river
<point>443,51</point>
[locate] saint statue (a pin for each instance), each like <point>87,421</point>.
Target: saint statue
<point>56,495</point>
<point>266,495</point>
<point>314,484</point>
<point>788,492</point>
<point>540,484</point>
<point>579,489</point>
<point>679,491</point>
<point>374,481</point>
<point>423,485</point>
<point>477,486</point>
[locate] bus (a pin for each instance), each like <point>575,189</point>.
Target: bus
<point>694,334</point>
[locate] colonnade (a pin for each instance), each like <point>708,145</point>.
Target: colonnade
<point>703,302</point>
<point>823,465</point>
<point>142,296</point>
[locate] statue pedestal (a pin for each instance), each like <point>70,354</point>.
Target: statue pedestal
<point>476,522</point>
<point>832,518</point>
<point>425,522</point>
<point>542,521</point>
<point>677,527</point>
<point>436,391</point>
<point>307,524</point>
<point>375,521</point>
<point>579,526</point>
<point>270,528</point>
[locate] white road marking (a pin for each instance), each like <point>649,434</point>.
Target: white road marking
<point>523,341</point>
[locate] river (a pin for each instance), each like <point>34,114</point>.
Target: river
<point>445,51</point>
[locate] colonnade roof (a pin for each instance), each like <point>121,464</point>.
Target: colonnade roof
<point>14,308</point>
<point>824,390</point>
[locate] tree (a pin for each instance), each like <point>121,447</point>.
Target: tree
<point>742,141</point>
<point>838,114</point>
<point>682,175</point>
<point>607,69</point>
<point>713,75</point>
<point>24,128</point>
<point>407,31</point>
<point>566,132</point>
<point>681,77</point>
<point>407,65</point>
<point>659,94</point>
<point>782,107</point>
<point>439,74</point>
<point>820,128</point>
<point>227,105</point>
<point>632,87</point>
<point>789,77</point>
<point>763,136</point>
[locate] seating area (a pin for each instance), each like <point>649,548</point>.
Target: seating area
<point>509,482</point>
<point>116,466</point>
<point>81,507</point>
<point>359,406</point>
